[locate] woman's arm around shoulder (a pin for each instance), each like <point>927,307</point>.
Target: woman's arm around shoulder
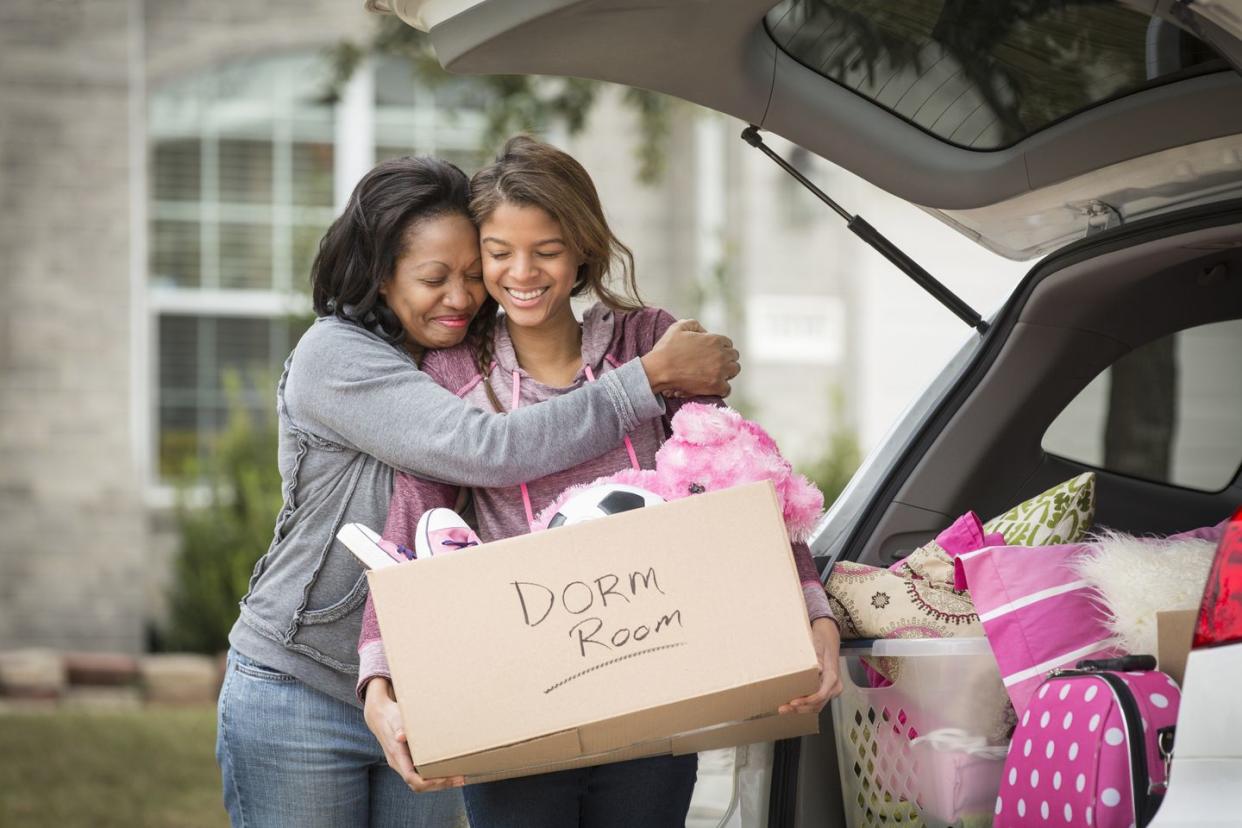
<point>641,333</point>
<point>351,388</point>
<point>678,352</point>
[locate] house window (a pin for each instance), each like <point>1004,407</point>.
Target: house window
<point>210,365</point>
<point>795,329</point>
<point>247,164</point>
<point>445,120</point>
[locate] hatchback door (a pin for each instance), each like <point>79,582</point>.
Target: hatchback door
<point>1025,125</point>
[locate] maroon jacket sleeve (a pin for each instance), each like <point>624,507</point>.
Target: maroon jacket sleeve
<point>643,329</point>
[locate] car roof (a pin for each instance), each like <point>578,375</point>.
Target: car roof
<point>745,58</point>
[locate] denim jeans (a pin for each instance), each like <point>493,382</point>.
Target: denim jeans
<point>292,756</point>
<point>652,793</point>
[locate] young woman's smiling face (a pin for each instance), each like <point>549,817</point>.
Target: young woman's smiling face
<point>528,266</point>
<point>437,285</point>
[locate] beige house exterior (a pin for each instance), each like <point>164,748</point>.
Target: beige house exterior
<point>165,171</point>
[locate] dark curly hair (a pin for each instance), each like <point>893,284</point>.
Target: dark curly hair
<point>359,251</point>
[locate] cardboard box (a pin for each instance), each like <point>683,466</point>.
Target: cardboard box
<point>669,629</point>
<point>1174,631</point>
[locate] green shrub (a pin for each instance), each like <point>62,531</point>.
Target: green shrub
<point>832,471</point>
<point>226,510</point>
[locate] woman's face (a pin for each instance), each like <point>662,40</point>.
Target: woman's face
<point>527,265</point>
<point>437,286</point>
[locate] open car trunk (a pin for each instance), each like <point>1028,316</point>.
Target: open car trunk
<point>1026,128</point>
<point>1106,136</point>
<point>978,439</point>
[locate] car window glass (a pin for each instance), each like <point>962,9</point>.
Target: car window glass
<point>986,75</point>
<point>1170,411</point>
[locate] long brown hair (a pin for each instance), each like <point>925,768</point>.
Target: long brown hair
<point>530,173</point>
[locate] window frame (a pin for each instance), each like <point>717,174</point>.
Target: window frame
<point>354,127</point>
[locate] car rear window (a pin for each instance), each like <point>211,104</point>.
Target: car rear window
<point>986,75</point>
<point>1170,412</point>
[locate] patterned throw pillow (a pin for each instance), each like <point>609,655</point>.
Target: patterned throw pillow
<point>872,602</point>
<point>918,597</point>
<point>1062,514</point>
<point>915,598</point>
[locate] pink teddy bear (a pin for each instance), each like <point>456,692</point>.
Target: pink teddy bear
<point>715,448</point>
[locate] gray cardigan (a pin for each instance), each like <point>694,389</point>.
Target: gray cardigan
<point>351,409</point>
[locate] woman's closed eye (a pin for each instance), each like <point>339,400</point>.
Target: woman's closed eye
<point>501,255</point>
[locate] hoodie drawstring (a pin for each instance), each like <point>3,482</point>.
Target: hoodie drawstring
<point>629,447</point>
<point>517,398</point>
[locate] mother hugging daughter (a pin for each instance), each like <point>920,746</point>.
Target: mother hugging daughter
<point>544,241</point>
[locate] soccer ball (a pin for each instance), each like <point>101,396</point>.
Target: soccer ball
<point>601,501</point>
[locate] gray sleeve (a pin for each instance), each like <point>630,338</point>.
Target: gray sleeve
<point>352,388</point>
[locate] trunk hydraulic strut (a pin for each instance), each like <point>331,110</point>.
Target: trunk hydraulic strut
<point>876,239</point>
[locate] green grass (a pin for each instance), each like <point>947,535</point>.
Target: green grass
<point>150,767</point>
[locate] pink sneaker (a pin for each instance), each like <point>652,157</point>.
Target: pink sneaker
<point>442,530</point>
<point>371,550</point>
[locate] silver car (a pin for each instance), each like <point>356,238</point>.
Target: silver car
<point>1104,137</point>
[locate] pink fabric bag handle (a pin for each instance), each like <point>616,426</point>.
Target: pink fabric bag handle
<point>517,399</point>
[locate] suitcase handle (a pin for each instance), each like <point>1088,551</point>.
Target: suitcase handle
<point>1123,664</point>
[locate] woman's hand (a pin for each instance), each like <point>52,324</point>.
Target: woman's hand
<point>689,362</point>
<point>384,720</point>
<point>827,639</point>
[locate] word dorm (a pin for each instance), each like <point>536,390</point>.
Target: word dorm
<point>539,602</point>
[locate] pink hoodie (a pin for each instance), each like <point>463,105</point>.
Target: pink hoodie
<point>609,339</point>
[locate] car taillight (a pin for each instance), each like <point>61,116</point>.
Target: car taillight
<point>1220,614</point>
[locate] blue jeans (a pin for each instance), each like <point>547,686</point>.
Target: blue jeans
<point>292,756</point>
<point>653,793</point>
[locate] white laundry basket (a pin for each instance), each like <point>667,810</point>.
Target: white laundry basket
<point>929,749</point>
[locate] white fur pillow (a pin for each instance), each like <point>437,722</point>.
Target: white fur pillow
<point>1136,577</point>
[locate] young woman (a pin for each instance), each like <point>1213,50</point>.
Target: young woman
<point>398,273</point>
<point>544,241</point>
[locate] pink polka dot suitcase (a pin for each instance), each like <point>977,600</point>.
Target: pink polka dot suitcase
<point>1092,748</point>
